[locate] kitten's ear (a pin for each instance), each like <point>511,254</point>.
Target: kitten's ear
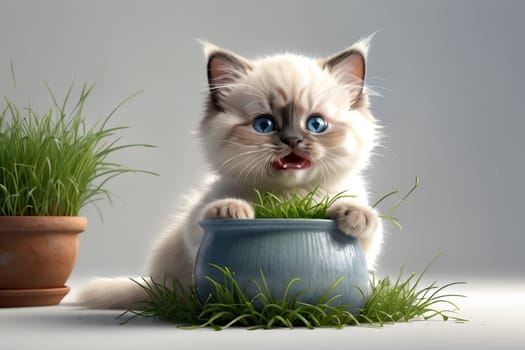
<point>224,68</point>
<point>349,66</point>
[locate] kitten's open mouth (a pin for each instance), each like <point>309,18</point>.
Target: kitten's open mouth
<point>291,162</point>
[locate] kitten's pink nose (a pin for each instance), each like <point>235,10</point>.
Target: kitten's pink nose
<point>291,141</point>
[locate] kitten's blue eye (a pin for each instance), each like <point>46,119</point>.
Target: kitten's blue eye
<point>316,124</point>
<point>263,124</point>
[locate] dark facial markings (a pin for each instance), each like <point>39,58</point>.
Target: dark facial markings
<point>290,132</point>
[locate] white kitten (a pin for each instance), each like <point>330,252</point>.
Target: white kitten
<point>284,124</point>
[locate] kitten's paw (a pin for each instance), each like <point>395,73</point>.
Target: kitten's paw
<point>229,209</point>
<point>354,219</point>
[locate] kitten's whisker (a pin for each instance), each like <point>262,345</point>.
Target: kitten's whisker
<point>248,167</point>
<point>246,161</point>
<point>260,172</point>
<point>328,163</point>
<point>324,177</point>
<point>239,144</point>
<point>249,151</point>
<point>321,169</point>
<point>372,90</point>
<point>238,159</point>
<point>371,83</point>
<point>264,166</point>
<point>258,165</point>
<point>237,156</point>
<point>267,165</point>
<point>241,161</point>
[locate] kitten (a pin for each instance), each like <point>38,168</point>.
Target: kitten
<point>284,124</point>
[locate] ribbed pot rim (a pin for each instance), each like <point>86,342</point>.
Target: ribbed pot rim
<point>42,224</point>
<point>296,224</point>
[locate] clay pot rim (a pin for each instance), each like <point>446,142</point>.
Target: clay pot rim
<point>35,291</point>
<point>73,224</point>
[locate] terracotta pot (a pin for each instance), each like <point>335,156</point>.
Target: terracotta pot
<point>37,255</point>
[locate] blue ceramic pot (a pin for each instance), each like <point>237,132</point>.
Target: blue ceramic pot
<point>313,250</point>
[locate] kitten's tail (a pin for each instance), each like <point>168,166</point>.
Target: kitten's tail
<point>111,293</point>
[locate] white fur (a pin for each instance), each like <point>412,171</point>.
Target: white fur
<point>238,168</point>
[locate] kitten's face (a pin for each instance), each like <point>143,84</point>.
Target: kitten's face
<point>287,121</point>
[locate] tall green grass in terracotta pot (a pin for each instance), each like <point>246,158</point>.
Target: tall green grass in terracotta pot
<point>51,166</point>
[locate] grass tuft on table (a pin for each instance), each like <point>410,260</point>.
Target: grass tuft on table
<point>402,299</point>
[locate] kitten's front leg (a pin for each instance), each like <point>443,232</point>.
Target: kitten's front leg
<point>354,219</point>
<point>229,208</point>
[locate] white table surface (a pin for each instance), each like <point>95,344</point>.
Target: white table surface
<point>495,310</point>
